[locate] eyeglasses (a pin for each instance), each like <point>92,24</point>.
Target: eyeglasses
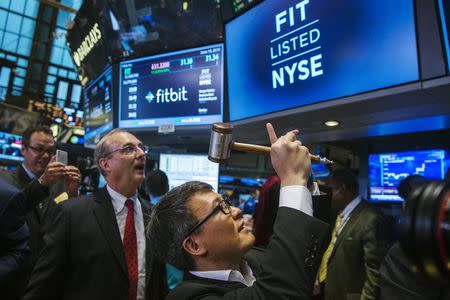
<point>40,151</point>
<point>224,206</point>
<point>128,150</point>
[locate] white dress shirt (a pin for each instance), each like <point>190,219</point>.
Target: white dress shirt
<point>297,197</point>
<point>347,212</point>
<point>121,212</point>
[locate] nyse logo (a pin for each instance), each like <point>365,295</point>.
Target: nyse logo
<point>168,95</point>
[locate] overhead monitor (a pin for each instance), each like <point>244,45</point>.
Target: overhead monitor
<point>10,145</point>
<point>181,168</point>
<point>98,115</point>
<point>284,54</point>
<point>180,88</point>
<point>386,170</point>
<point>444,9</point>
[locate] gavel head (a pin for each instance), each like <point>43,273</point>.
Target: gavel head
<point>220,142</point>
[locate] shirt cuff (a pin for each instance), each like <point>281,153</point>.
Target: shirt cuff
<point>297,197</point>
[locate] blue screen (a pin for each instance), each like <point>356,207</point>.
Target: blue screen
<point>444,9</point>
<point>10,145</point>
<point>386,170</point>
<point>283,54</point>
<point>98,108</point>
<point>180,88</point>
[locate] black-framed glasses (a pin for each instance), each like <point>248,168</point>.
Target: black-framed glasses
<point>224,206</point>
<point>128,150</point>
<point>40,151</point>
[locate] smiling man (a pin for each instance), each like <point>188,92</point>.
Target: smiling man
<point>96,248</point>
<point>196,229</point>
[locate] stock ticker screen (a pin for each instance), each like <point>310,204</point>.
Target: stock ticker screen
<point>10,145</point>
<point>386,170</point>
<point>98,107</point>
<point>180,88</point>
<point>283,54</point>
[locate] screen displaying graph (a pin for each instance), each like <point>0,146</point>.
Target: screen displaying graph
<point>387,170</point>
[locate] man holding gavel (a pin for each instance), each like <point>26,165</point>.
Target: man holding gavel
<point>195,229</point>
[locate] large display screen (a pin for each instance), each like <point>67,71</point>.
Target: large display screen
<point>181,168</point>
<point>283,54</point>
<point>180,88</point>
<point>444,9</point>
<point>386,170</point>
<point>10,145</point>
<point>98,108</point>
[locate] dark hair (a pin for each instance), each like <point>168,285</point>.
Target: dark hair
<point>171,220</point>
<point>344,178</point>
<point>156,183</point>
<point>26,136</point>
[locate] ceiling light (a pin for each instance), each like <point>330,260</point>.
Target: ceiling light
<point>331,123</point>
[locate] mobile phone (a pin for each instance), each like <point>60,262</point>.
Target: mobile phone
<point>61,156</point>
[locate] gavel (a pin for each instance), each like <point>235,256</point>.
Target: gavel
<point>221,144</point>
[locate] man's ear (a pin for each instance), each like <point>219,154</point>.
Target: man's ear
<point>194,246</point>
<point>103,164</point>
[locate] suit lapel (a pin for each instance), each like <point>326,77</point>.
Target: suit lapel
<point>22,176</point>
<point>352,222</point>
<point>106,218</point>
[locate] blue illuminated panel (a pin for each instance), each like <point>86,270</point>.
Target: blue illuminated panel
<point>283,54</point>
<point>386,170</point>
<point>10,145</point>
<point>444,9</point>
<point>98,108</point>
<point>180,88</point>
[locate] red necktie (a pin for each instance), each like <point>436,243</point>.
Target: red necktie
<point>130,249</point>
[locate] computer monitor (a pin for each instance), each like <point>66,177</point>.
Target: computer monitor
<point>283,54</point>
<point>10,145</point>
<point>98,109</point>
<point>181,168</point>
<point>181,88</point>
<point>386,170</point>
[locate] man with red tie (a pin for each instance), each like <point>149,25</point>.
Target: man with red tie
<point>96,248</point>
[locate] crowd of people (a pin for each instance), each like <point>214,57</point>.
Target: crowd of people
<point>190,242</point>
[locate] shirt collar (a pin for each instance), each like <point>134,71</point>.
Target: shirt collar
<point>350,207</point>
<point>118,200</point>
<point>29,173</point>
<point>247,278</point>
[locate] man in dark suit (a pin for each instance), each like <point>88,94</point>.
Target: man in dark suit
<point>34,177</point>
<point>14,236</point>
<point>350,265</point>
<point>196,230</point>
<point>96,247</point>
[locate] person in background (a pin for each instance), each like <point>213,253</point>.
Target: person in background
<point>197,230</point>
<point>251,202</point>
<point>359,241</point>
<point>14,236</point>
<point>96,247</point>
<point>156,185</point>
<point>34,177</point>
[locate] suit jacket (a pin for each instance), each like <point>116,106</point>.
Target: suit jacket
<point>353,266</point>
<point>83,256</point>
<point>38,206</point>
<point>286,270</point>
<point>14,236</point>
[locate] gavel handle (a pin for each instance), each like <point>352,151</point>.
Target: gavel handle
<point>250,148</point>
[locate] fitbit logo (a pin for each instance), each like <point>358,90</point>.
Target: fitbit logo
<point>168,95</point>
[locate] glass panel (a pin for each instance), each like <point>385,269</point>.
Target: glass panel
<point>24,46</point>
<point>10,42</point>
<point>5,74</point>
<point>63,17</point>
<point>21,72</point>
<point>17,6</point>
<point>32,8</point>
<point>1,38</point>
<point>62,73</point>
<point>51,79</point>
<point>50,89</point>
<point>4,4</point>
<point>76,93</point>
<point>60,40</point>
<point>2,18</point>
<point>18,81</point>
<point>22,62</point>
<point>56,55</point>
<point>68,62</point>
<point>73,75</point>
<point>60,103</point>
<point>52,70</point>
<point>28,26</point>
<point>11,58</point>
<point>62,90</point>
<point>13,23</point>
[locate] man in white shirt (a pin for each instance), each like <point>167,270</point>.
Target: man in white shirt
<point>196,230</point>
<point>96,248</point>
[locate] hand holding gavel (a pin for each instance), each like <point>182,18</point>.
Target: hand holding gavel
<point>221,144</point>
